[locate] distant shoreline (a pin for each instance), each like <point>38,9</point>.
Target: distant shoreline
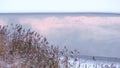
<point>63,13</point>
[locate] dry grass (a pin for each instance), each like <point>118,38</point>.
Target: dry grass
<point>23,48</point>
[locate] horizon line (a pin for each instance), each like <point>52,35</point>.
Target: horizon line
<point>93,13</point>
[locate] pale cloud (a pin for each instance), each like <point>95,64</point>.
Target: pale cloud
<point>97,28</point>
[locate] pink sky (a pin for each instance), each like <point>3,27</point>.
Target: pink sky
<point>91,27</point>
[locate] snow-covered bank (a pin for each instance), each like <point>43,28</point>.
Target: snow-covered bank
<point>79,62</point>
<point>93,62</point>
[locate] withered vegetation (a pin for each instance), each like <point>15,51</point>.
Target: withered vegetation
<point>24,48</point>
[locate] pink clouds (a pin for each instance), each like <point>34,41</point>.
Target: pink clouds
<point>89,27</point>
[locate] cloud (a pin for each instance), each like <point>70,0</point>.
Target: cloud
<point>97,28</point>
